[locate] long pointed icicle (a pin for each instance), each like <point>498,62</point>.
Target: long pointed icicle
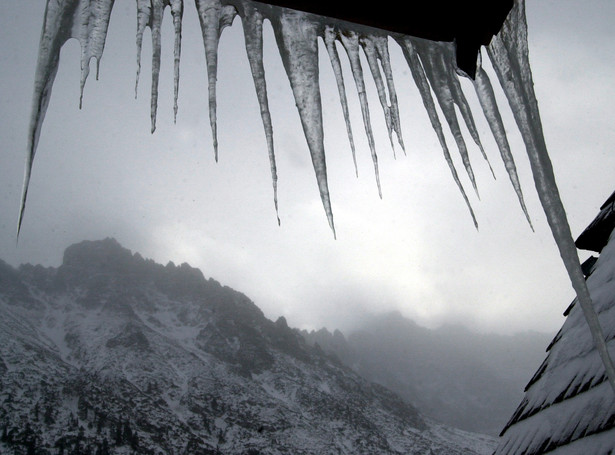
<point>382,49</point>
<point>177,12</point>
<point>144,13</point>
<point>466,112</point>
<point>297,41</point>
<point>213,18</point>
<point>253,33</point>
<point>486,97</point>
<point>422,84</point>
<point>63,20</point>
<point>350,41</point>
<point>438,76</point>
<point>369,49</point>
<point>329,38</point>
<point>509,55</point>
<point>156,17</point>
<point>449,62</point>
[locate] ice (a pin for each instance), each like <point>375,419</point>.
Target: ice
<point>486,96</point>
<point>409,51</point>
<point>177,11</point>
<point>150,14</point>
<point>253,32</point>
<point>376,50</point>
<point>350,41</point>
<point>298,43</point>
<point>214,17</point>
<point>433,68</point>
<point>330,38</point>
<point>509,55</point>
<point>438,74</point>
<point>63,20</point>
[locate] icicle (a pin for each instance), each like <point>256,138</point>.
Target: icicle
<point>418,74</point>
<point>350,41</point>
<point>156,28</point>
<point>330,36</point>
<point>298,45</point>
<point>370,52</point>
<point>177,12</point>
<point>509,54</point>
<point>91,33</point>
<point>382,48</point>
<point>461,101</point>
<point>253,32</point>
<point>486,96</point>
<point>144,11</point>
<point>213,18</point>
<point>150,13</point>
<point>375,49</point>
<point>439,77</point>
<point>63,20</point>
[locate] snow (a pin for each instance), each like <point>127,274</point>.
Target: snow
<point>432,65</point>
<point>569,398</point>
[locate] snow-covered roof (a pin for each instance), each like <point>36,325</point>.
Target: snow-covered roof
<point>569,406</point>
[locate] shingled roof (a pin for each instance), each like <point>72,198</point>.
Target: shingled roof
<point>569,406</point>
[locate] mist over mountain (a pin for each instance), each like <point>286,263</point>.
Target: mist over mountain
<point>111,353</point>
<point>465,379</point>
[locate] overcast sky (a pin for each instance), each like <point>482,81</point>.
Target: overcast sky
<point>99,172</point>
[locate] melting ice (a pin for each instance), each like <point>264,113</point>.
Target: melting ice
<point>432,65</point>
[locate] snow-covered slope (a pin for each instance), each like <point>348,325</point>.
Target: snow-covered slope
<point>114,353</point>
<point>569,407</point>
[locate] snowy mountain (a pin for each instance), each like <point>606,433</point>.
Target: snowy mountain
<point>112,353</point>
<point>464,379</point>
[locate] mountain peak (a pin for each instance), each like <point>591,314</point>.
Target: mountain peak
<point>107,253</point>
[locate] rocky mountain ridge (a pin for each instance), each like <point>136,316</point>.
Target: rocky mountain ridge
<point>111,353</point>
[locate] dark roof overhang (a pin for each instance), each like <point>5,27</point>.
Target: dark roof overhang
<point>470,24</point>
<point>596,235</point>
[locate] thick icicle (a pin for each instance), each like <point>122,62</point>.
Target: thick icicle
<point>509,54</point>
<point>253,33</point>
<point>298,45</point>
<point>330,36</point>
<point>486,97</point>
<point>439,78</point>
<point>156,17</point>
<point>91,33</point>
<point>422,84</point>
<point>214,17</point>
<point>350,41</point>
<point>177,12</point>
<point>62,21</point>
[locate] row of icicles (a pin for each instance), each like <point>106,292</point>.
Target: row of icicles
<point>432,65</point>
